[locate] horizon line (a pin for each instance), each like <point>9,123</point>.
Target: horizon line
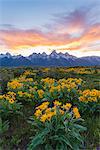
<point>46,54</point>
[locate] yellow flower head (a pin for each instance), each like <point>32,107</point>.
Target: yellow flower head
<point>94,92</point>
<point>15,84</point>
<point>10,96</point>
<point>11,101</point>
<point>20,93</point>
<point>82,98</point>
<point>27,73</point>
<point>47,110</point>
<point>76,112</point>
<point>40,93</point>
<point>1,96</point>
<point>43,117</point>
<point>43,106</point>
<point>11,93</point>
<point>89,95</point>
<point>57,103</point>
<point>29,80</point>
<point>61,111</point>
<point>67,106</point>
<point>49,115</point>
<point>38,113</point>
<point>86,92</point>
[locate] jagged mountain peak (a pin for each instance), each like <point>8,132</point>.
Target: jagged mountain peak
<point>8,55</point>
<point>53,59</point>
<point>17,56</point>
<point>44,54</point>
<point>54,52</point>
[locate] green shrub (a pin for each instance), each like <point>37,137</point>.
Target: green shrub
<point>61,132</point>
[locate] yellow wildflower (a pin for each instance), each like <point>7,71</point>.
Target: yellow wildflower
<point>15,84</point>
<point>82,98</point>
<point>40,93</point>
<point>86,92</point>
<point>27,73</point>
<point>76,112</point>
<point>67,106</point>
<point>57,103</point>
<point>43,106</point>
<point>61,111</point>
<point>11,93</point>
<point>11,101</point>
<point>94,92</point>
<point>50,115</point>
<point>1,96</point>
<point>43,117</point>
<point>92,99</point>
<point>20,93</point>
<point>29,79</point>
<point>38,113</point>
<point>47,110</point>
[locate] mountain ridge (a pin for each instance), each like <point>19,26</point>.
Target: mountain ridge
<point>53,59</point>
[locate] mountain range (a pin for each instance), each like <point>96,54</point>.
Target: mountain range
<point>54,59</point>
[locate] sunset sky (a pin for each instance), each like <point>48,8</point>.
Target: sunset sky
<point>28,26</point>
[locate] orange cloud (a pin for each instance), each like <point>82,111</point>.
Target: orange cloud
<point>72,32</point>
<point>15,39</point>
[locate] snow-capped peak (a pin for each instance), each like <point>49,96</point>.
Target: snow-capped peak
<point>8,55</point>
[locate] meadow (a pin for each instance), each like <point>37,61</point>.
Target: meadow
<point>49,108</point>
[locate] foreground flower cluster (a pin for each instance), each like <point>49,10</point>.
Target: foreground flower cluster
<point>45,112</point>
<point>64,90</point>
<point>55,124</point>
<point>90,95</point>
<point>10,97</point>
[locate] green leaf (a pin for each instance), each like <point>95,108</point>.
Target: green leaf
<point>77,136</point>
<point>64,140</point>
<point>60,146</point>
<point>81,128</point>
<point>38,139</point>
<point>48,147</point>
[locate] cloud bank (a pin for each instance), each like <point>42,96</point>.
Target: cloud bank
<point>77,30</point>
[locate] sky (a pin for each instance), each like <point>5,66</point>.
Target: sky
<point>28,26</point>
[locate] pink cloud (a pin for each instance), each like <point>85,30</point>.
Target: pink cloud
<point>71,29</point>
